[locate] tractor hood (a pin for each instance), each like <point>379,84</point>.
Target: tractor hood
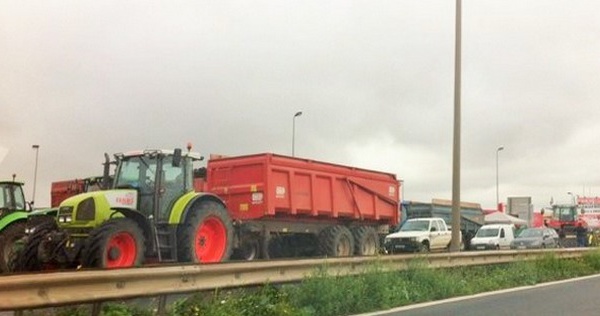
<point>111,198</point>
<point>92,208</point>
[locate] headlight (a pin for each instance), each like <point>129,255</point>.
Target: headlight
<point>86,210</point>
<point>65,218</point>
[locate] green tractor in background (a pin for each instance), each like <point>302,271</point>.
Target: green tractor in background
<point>151,214</point>
<point>14,211</point>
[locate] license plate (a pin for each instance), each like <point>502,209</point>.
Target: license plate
<point>480,247</point>
<point>400,246</point>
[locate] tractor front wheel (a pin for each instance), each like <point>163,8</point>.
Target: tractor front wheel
<point>206,235</point>
<point>8,240</point>
<point>118,243</point>
<point>26,259</point>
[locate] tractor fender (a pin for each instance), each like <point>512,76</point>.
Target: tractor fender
<point>12,218</point>
<point>182,207</point>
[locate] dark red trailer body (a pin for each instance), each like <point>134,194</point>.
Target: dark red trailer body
<point>61,190</point>
<point>270,186</point>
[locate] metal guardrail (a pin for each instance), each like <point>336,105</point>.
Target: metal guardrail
<point>40,290</point>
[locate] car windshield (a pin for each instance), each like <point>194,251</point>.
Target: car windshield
<point>487,232</point>
<point>421,226</point>
<point>530,233</point>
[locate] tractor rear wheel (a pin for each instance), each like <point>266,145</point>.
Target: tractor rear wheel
<point>8,239</point>
<point>206,235</point>
<point>336,241</point>
<point>118,243</point>
<point>26,259</point>
<point>366,241</point>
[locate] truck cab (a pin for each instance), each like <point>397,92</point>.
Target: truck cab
<point>419,234</point>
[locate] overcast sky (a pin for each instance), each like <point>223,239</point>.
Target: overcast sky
<point>374,80</point>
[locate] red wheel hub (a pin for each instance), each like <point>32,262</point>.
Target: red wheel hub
<point>211,240</point>
<point>121,251</point>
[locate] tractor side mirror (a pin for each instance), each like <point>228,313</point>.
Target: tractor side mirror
<point>177,157</point>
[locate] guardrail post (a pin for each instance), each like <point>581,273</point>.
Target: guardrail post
<point>162,306</point>
<point>96,308</point>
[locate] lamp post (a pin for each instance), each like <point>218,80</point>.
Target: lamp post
<point>37,150</point>
<point>497,194</point>
<point>572,197</point>
<point>456,240</point>
<point>294,130</point>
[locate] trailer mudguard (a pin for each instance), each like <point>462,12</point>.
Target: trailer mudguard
<point>11,218</point>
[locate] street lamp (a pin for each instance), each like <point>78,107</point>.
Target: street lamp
<point>572,197</point>
<point>37,150</point>
<point>294,130</point>
<point>456,240</point>
<point>497,194</point>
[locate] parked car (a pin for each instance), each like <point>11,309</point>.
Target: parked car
<point>419,234</point>
<point>535,238</point>
<point>493,236</point>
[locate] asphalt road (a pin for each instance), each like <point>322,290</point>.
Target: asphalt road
<point>571,297</point>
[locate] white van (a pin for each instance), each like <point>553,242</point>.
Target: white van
<point>493,236</point>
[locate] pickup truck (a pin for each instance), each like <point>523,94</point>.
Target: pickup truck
<point>419,234</point>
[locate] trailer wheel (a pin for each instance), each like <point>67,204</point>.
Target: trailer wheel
<point>8,239</point>
<point>366,241</point>
<point>118,243</point>
<point>206,235</point>
<point>248,250</point>
<point>336,241</point>
<point>26,259</point>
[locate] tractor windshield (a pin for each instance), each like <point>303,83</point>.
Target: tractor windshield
<point>565,213</point>
<point>137,172</point>
<point>11,196</point>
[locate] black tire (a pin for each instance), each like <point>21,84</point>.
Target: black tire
<point>192,237</point>
<point>27,258</point>
<point>336,241</point>
<point>117,243</point>
<point>366,241</point>
<point>424,246</point>
<point>8,238</point>
<point>249,250</point>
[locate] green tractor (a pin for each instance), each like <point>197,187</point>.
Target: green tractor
<point>13,216</point>
<point>151,214</point>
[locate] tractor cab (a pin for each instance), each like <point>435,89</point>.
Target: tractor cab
<point>11,197</point>
<point>159,177</point>
<point>564,214</point>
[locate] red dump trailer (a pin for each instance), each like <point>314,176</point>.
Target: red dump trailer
<point>288,207</point>
<point>61,190</point>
